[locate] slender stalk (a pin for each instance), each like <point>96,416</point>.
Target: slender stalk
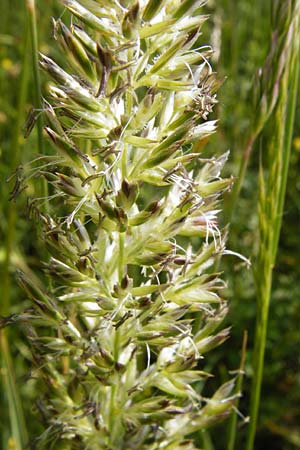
<point>124,162</point>
<point>17,421</point>
<point>114,419</point>
<point>263,295</point>
<point>233,418</point>
<point>18,427</point>
<point>271,203</point>
<point>15,151</point>
<point>207,441</point>
<point>19,431</point>
<point>292,99</point>
<point>37,81</point>
<point>32,22</point>
<point>121,257</point>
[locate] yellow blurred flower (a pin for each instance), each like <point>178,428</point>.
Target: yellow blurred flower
<point>296,143</point>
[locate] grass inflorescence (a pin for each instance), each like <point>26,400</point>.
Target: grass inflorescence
<point>119,335</point>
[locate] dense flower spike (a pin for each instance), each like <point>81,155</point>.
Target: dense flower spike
<point>133,307</point>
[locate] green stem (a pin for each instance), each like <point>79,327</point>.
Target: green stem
<point>124,161</point>
<point>259,354</point>
<point>207,441</point>
<point>114,413</point>
<point>271,208</point>
<point>16,415</point>
<point>36,74</point>
<point>17,421</point>
<point>16,152</point>
<point>121,256</point>
<point>114,418</point>
<point>32,20</point>
<point>292,100</point>
<point>233,418</point>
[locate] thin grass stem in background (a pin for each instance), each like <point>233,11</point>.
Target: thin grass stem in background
<point>15,152</point>
<point>37,95</point>
<point>18,436</point>
<point>292,87</point>
<point>232,425</point>
<point>291,435</point>
<point>271,201</point>
<point>206,440</point>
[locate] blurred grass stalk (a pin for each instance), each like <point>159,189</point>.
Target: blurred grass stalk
<point>266,85</point>
<point>10,389</point>
<point>232,425</point>
<point>18,437</point>
<point>38,100</point>
<point>37,82</point>
<point>272,187</point>
<point>18,428</point>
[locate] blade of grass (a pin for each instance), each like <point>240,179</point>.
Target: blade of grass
<point>293,84</point>
<point>15,152</point>
<point>271,204</point>
<point>10,391</point>
<point>206,440</point>
<point>36,74</point>
<point>19,432</point>
<point>232,426</point>
<point>32,23</point>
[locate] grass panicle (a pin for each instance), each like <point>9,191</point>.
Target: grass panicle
<point>267,83</point>
<point>132,230</point>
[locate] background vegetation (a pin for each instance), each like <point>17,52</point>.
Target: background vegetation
<point>241,34</point>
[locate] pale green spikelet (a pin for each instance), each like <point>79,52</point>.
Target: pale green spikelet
<point>115,339</point>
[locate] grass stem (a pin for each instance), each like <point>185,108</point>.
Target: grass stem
<point>271,202</point>
<point>262,314</point>
<point>32,22</point>
<point>207,441</point>
<point>121,257</point>
<point>18,428</point>
<point>232,428</point>
<point>19,435</point>
<point>293,84</point>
